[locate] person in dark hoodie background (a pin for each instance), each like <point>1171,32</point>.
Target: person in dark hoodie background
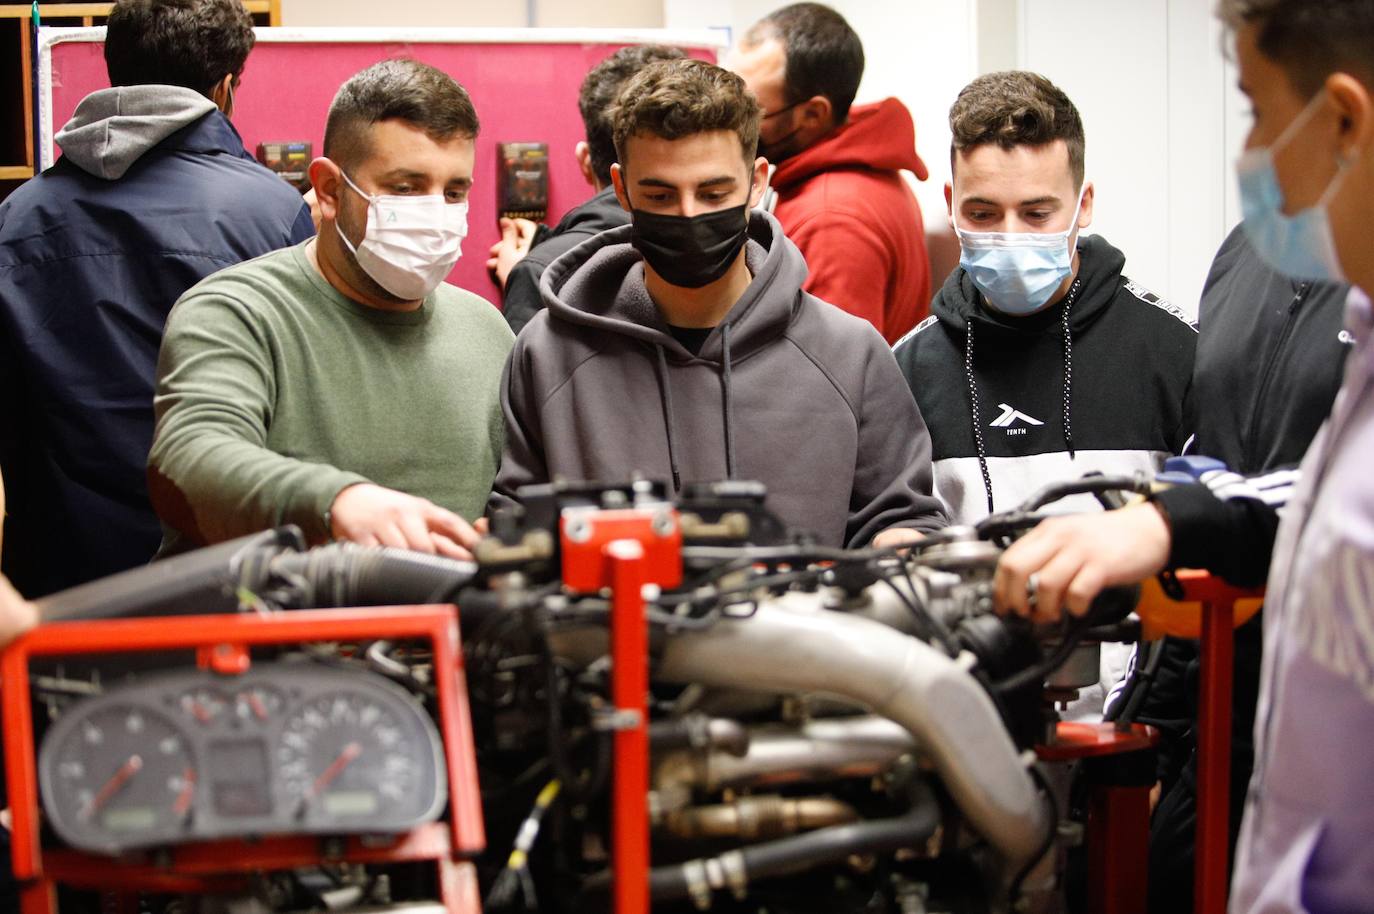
<point>1040,360</point>
<point>838,188</point>
<point>683,348</point>
<point>153,192</point>
<point>523,253</point>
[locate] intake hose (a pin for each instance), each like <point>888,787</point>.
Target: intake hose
<point>196,583</point>
<point>345,574</point>
<point>271,564</point>
<point>735,870</point>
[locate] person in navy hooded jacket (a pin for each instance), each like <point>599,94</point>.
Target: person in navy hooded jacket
<point>154,191</point>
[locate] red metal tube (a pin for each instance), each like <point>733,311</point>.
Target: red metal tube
<point>629,694</point>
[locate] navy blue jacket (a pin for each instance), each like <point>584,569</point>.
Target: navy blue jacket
<point>89,268</point>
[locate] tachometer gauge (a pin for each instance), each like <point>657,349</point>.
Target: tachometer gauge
<point>122,776</point>
<point>359,762</point>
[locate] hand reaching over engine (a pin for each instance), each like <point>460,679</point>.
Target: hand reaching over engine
<point>896,537</point>
<point>1067,561</point>
<point>371,515</point>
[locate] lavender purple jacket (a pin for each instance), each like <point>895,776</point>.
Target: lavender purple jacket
<point>1307,843</point>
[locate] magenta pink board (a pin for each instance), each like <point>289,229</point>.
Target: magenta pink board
<point>523,91</point>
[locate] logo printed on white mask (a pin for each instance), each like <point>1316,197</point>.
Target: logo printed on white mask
<point>1018,272</point>
<point>411,242</point>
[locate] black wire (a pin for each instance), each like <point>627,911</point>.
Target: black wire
<point>930,629</point>
<point>1038,672</point>
<point>1051,832</point>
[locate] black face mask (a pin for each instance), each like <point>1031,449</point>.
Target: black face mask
<point>690,251</point>
<point>781,149</point>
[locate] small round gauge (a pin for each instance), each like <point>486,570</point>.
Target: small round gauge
<point>354,761</point>
<point>203,705</point>
<point>122,776</point>
<point>257,704</point>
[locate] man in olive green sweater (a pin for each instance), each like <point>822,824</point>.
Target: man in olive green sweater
<point>340,385</point>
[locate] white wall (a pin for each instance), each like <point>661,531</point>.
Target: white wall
<point>921,51</point>
<point>1163,124</point>
<point>475,13</point>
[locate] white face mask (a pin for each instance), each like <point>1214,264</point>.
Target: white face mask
<point>410,243</point>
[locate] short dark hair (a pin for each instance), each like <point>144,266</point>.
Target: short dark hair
<point>1310,39</point>
<point>405,90</point>
<point>824,55</point>
<point>673,99</point>
<point>1016,108</point>
<point>188,43</point>
<point>600,90</point>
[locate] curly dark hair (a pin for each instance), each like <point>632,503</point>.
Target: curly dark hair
<point>1309,39</point>
<point>678,98</point>
<point>189,43</point>
<point>1016,108</point>
<point>403,89</point>
<point>600,90</point>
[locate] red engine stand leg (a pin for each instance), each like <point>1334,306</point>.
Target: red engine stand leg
<point>1214,758</point>
<point>629,694</point>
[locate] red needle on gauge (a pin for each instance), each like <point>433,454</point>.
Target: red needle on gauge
<point>113,785</point>
<point>336,768</point>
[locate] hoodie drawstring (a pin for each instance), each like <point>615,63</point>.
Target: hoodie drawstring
<point>666,392</point>
<point>973,402</point>
<point>1068,389</point>
<point>728,393</point>
<point>1068,364</point>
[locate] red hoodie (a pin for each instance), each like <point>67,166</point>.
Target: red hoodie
<point>844,202</point>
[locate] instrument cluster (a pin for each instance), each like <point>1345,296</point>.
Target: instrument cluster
<point>287,748</point>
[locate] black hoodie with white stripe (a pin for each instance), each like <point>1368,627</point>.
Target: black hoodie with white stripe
<point>1096,382</point>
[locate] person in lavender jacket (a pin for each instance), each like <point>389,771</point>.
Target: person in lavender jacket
<point>1307,183</point>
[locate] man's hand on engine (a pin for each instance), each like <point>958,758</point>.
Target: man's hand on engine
<point>371,515</point>
<point>1067,561</point>
<point>17,615</point>
<point>894,537</point>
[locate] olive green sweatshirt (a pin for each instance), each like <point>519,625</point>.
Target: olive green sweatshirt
<point>275,392</point>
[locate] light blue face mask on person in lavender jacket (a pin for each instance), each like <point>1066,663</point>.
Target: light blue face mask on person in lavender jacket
<point>1300,246</point>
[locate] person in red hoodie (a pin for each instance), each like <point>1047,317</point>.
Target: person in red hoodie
<point>837,186</point>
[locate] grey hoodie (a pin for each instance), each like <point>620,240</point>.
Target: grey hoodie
<point>787,390</point>
<point>112,128</point>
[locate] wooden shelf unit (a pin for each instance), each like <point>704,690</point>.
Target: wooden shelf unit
<point>16,73</point>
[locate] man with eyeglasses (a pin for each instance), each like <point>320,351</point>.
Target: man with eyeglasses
<point>836,180</point>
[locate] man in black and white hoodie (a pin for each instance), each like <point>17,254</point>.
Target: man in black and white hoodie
<point>1040,361</point>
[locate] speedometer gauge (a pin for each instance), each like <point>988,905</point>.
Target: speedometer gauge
<point>348,758</point>
<point>123,776</point>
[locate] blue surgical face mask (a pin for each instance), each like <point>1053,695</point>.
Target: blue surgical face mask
<point>1300,245</point>
<point>1018,272</point>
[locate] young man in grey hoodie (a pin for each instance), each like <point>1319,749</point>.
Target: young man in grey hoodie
<point>683,348</point>
<point>154,191</point>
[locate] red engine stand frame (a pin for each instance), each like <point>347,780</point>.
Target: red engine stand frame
<point>626,550</point>
<point>222,643</point>
<point>1222,607</point>
<point>1118,828</point>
